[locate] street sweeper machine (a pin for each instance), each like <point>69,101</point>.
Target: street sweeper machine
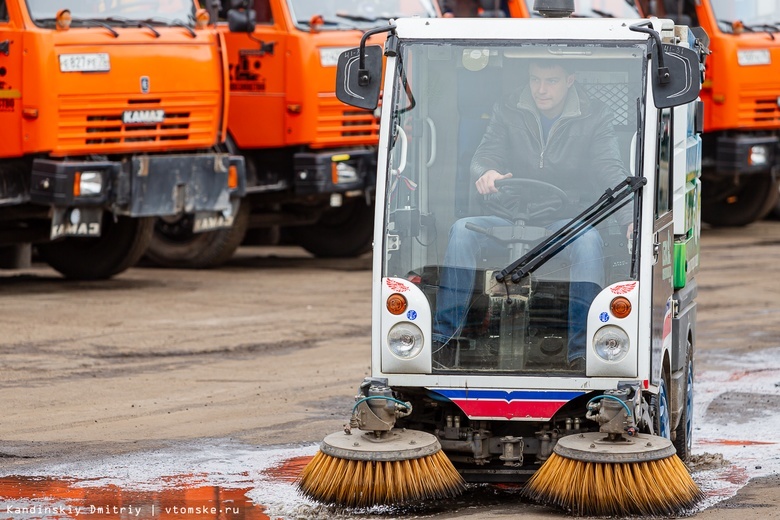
<point>534,258</point>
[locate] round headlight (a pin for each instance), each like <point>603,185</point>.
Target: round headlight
<point>611,343</point>
<point>405,340</point>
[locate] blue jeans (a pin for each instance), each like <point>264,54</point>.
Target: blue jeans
<point>466,247</point>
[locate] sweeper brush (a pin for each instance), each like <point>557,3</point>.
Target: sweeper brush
<point>593,474</point>
<point>364,470</point>
<point>380,465</point>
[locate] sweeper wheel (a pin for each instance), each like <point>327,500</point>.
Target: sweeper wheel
<point>595,447</point>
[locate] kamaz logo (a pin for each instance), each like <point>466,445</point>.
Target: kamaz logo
<point>130,117</point>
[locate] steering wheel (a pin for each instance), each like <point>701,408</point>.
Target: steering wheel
<point>525,199</point>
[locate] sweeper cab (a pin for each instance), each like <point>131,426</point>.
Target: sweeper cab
<point>530,347</point>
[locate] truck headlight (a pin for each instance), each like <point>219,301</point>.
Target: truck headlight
<point>405,340</point>
<point>759,155</point>
<point>611,343</point>
<point>87,184</point>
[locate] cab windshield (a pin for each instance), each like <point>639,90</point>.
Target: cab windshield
<point>462,110</point>
<point>361,14</point>
<point>598,9</point>
<point>758,16</point>
<point>115,12</point>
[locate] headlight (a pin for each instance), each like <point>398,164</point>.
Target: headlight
<point>405,340</point>
<point>611,343</point>
<point>758,155</point>
<point>87,184</point>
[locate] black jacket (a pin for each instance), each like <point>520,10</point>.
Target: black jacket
<point>581,156</point>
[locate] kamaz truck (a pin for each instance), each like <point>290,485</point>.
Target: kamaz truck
<point>310,158</point>
<point>111,112</point>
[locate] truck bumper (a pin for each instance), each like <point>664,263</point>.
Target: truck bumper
<point>207,185</point>
<point>746,154</point>
<point>334,172</point>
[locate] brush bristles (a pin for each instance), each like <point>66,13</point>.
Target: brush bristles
<point>358,483</point>
<point>653,488</point>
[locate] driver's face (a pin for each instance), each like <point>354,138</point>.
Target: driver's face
<point>549,87</point>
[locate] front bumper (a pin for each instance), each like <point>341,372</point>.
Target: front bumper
<point>139,186</point>
<point>334,172</point>
<point>746,154</point>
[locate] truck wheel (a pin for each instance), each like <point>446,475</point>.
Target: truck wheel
<point>340,233</point>
<point>175,245</point>
<point>661,421</point>
<point>683,440</point>
<point>754,199</point>
<point>120,245</point>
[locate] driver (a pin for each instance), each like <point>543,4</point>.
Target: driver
<point>549,131</point>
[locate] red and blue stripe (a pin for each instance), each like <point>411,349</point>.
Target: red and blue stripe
<point>502,404</point>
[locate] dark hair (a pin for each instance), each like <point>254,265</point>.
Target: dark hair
<point>548,63</point>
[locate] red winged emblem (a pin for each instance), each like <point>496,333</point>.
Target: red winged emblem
<point>623,288</point>
<point>396,286</point>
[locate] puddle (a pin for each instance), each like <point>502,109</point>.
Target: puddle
<point>225,480</point>
<point>29,497</point>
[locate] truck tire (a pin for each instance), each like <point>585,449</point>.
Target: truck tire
<point>343,232</point>
<point>754,199</point>
<point>174,244</point>
<point>120,245</point>
<point>660,403</point>
<point>683,433</point>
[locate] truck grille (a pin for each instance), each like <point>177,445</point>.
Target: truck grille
<point>93,124</point>
<point>339,124</point>
<point>759,110</point>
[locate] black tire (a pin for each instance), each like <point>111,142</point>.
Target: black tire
<point>683,433</point>
<point>343,232</point>
<point>752,200</point>
<point>120,245</point>
<point>174,244</point>
<point>660,404</point>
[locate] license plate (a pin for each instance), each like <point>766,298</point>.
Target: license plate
<point>97,62</point>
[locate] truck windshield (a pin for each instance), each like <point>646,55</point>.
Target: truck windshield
<point>363,14</point>
<point>761,15</point>
<point>598,9</point>
<point>115,12</point>
<point>563,121</point>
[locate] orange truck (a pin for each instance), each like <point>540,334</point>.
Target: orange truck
<point>741,94</point>
<point>111,113</point>
<point>310,159</point>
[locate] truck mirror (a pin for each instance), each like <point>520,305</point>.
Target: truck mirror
<point>241,20</point>
<point>679,83</point>
<point>357,83</point>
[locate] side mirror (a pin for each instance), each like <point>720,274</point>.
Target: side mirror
<point>677,81</point>
<point>242,20</point>
<point>357,83</point>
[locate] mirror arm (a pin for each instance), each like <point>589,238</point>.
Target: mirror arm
<point>364,76</point>
<point>662,70</point>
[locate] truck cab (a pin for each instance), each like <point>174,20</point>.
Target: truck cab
<point>110,113</point>
<point>310,158</point>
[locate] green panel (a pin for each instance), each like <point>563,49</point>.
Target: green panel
<point>680,264</point>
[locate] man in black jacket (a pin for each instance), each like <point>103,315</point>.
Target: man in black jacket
<point>551,132</point>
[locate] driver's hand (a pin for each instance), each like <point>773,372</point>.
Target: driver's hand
<point>487,183</point>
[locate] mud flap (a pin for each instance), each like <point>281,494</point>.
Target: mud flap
<point>76,222</point>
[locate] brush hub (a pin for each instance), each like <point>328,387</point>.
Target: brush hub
<point>597,447</point>
<point>397,444</point>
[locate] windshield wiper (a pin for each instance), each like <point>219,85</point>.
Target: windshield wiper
<point>168,23</point>
<point>126,22</point>
<point>612,200</point>
<point>97,23</point>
